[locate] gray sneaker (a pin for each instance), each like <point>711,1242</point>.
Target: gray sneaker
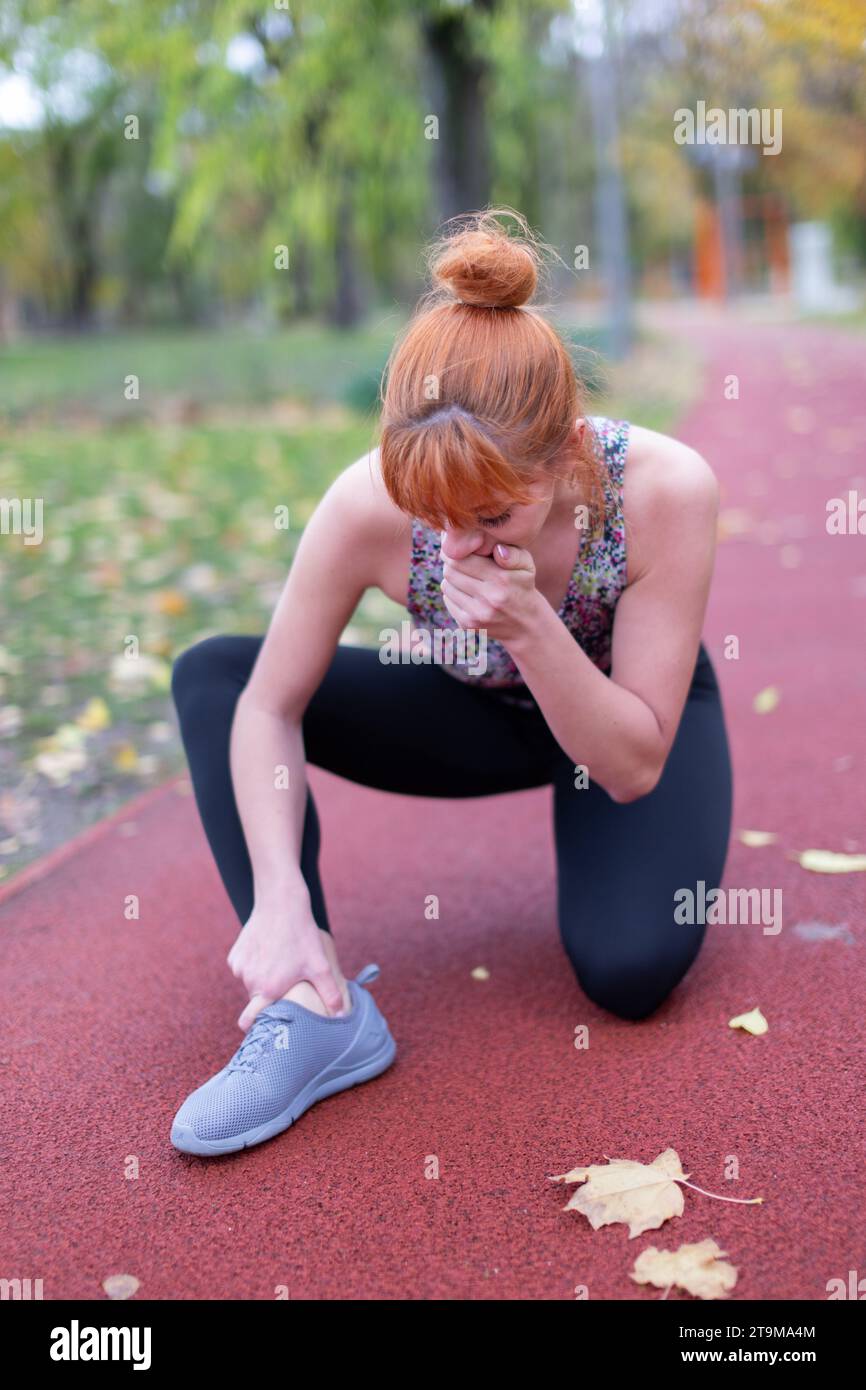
<point>289,1059</point>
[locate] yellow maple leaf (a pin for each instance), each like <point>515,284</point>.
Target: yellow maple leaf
<point>697,1268</point>
<point>644,1195</point>
<point>753,1022</point>
<point>641,1195</point>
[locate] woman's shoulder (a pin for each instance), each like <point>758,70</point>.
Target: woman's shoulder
<point>664,468</point>
<point>357,518</point>
<point>358,496</point>
<point>669,488</point>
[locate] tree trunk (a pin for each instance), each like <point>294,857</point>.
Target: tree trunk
<point>301,280</point>
<point>346,309</point>
<point>457,81</point>
<point>84,272</point>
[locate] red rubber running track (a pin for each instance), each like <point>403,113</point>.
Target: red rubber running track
<point>110,1023</point>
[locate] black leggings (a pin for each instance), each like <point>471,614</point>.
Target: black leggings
<point>415,729</point>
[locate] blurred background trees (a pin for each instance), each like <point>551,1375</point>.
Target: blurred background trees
<point>154,158</point>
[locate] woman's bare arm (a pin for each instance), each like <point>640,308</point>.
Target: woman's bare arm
<point>338,557</point>
<point>622,727</point>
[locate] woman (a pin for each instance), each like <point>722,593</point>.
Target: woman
<point>576,553</point>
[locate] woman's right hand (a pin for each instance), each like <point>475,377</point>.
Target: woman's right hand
<point>276,950</point>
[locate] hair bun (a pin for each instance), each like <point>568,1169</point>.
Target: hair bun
<point>482,265</point>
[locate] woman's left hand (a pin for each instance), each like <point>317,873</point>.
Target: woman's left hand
<point>496,594</point>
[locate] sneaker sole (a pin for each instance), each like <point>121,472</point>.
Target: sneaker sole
<point>334,1078</point>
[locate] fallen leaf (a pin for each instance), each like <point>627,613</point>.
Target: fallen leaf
<point>753,1022</point>
<point>642,1195</point>
<point>827,861</point>
<point>766,700</point>
<point>697,1268</point>
<point>125,757</point>
<point>756,839</point>
<point>95,716</point>
<point>59,764</point>
<point>824,931</point>
<point>171,602</point>
<point>65,736</point>
<point>119,1286</point>
<point>131,676</point>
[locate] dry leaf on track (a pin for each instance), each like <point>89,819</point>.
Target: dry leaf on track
<point>827,861</point>
<point>696,1268</point>
<point>766,700</point>
<point>752,1022</point>
<point>119,1286</point>
<point>756,839</point>
<point>640,1194</point>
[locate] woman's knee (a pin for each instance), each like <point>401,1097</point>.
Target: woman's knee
<point>201,669</point>
<point>631,986</point>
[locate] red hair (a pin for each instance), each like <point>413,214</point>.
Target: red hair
<point>480,393</point>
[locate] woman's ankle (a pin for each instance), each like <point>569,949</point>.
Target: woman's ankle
<point>307,995</point>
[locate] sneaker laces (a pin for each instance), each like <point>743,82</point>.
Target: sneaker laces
<point>256,1040</point>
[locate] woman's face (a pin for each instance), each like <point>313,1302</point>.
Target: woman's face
<point>508,523</point>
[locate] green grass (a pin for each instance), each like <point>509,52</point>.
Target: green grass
<point>308,363</point>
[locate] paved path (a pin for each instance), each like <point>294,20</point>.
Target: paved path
<point>108,1023</point>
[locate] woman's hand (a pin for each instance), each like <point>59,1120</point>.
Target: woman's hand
<point>495,593</point>
<point>276,950</point>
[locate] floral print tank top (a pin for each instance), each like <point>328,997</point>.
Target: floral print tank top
<point>588,608</point>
